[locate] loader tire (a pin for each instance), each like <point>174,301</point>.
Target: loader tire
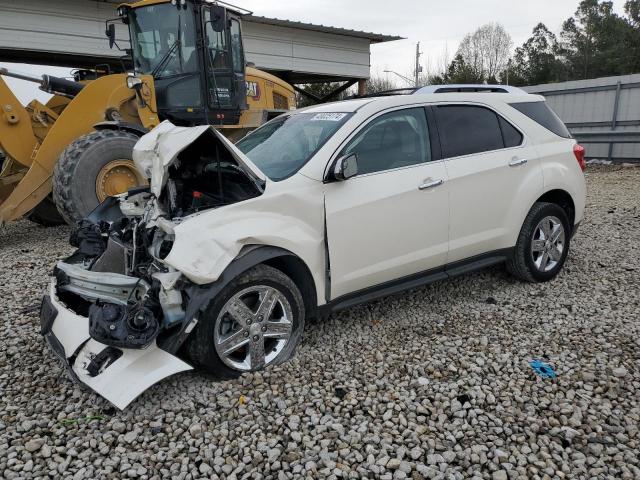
<point>77,170</point>
<point>46,214</point>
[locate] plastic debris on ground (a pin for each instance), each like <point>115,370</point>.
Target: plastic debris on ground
<point>542,369</point>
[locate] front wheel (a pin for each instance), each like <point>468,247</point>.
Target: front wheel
<point>92,168</point>
<point>256,321</point>
<point>543,244</point>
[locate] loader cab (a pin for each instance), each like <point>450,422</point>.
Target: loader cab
<point>194,51</point>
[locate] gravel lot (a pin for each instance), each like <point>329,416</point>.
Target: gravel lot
<point>434,383</point>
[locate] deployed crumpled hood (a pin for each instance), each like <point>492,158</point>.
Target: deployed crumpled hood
<point>158,149</point>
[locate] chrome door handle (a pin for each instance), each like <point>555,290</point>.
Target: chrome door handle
<point>517,161</point>
<point>431,184</point>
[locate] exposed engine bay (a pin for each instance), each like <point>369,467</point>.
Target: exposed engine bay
<point>117,277</point>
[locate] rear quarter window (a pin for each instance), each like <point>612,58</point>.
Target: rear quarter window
<point>542,114</point>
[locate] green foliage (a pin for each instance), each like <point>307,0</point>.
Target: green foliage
<point>319,90</point>
<point>373,85</point>
<point>595,42</point>
<point>536,61</point>
<point>460,71</point>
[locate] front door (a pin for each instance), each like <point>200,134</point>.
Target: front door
<point>391,220</point>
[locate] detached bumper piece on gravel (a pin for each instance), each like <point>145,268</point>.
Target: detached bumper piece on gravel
<point>118,374</point>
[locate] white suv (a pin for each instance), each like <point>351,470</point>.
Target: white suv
<point>219,262</point>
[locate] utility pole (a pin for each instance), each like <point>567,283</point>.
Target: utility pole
<point>418,67</point>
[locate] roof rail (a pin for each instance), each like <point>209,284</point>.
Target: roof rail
<point>388,93</point>
<point>461,88</point>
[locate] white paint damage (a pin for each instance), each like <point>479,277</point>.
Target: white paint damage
<point>158,149</point>
<point>126,378</point>
<point>288,215</point>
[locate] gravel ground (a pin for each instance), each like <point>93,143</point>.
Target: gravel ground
<point>434,383</point>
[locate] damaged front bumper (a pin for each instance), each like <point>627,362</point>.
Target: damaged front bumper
<point>117,374</point>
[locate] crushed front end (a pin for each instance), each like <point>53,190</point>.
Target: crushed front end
<point>116,313</point>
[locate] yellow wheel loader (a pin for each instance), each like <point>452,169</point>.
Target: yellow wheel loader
<point>59,160</point>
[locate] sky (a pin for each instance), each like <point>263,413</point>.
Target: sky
<point>439,26</point>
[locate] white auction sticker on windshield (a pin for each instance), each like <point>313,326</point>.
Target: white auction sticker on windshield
<point>329,117</point>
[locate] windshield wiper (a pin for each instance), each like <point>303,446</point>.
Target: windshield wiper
<point>173,48</point>
<point>165,59</point>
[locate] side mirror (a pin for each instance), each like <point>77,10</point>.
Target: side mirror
<point>218,18</point>
<point>111,34</point>
<point>346,167</point>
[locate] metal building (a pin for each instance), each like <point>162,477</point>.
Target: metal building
<point>71,33</point>
<point>603,114</point>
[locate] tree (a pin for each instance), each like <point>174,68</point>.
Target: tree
<point>319,90</point>
<point>459,71</point>
<point>484,52</point>
<point>380,84</point>
<point>632,9</point>
<point>536,61</point>
<point>594,42</point>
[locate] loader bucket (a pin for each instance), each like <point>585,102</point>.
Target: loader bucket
<point>87,108</point>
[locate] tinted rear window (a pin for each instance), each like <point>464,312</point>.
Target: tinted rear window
<point>467,129</point>
<point>512,137</point>
<point>541,113</point>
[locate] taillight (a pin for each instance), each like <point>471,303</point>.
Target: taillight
<point>579,152</point>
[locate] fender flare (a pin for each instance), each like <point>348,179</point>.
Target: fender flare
<point>125,126</point>
<point>199,295</point>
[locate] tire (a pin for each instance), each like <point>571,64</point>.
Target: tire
<point>204,346</point>
<point>528,262</point>
<point>46,214</point>
<point>77,170</point>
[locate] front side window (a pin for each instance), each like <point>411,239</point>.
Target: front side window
<point>393,140</point>
<point>284,145</point>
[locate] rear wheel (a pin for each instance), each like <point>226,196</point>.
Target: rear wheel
<point>543,244</point>
<point>46,214</point>
<point>92,168</point>
<point>256,321</point>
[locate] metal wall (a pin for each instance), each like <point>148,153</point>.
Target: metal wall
<point>62,32</point>
<point>603,114</point>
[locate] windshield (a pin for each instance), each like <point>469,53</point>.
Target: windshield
<point>282,146</point>
<point>163,40</point>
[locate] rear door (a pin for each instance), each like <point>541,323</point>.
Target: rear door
<point>491,168</point>
<point>391,220</point>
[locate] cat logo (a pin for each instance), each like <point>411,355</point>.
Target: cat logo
<point>253,90</point>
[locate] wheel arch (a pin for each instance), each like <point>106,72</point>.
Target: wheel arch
<point>564,200</point>
<point>295,268</point>
<point>124,126</point>
<point>250,256</point>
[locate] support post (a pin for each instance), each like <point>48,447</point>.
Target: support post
<point>614,119</point>
<point>362,87</point>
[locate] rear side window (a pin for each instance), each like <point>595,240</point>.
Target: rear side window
<point>511,136</point>
<point>542,114</point>
<point>466,129</point>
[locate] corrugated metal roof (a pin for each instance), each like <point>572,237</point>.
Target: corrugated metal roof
<point>372,37</point>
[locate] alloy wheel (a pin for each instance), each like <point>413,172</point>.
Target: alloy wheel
<point>253,328</point>
<point>548,243</point>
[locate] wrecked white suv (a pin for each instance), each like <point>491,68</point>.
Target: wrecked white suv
<point>219,262</point>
